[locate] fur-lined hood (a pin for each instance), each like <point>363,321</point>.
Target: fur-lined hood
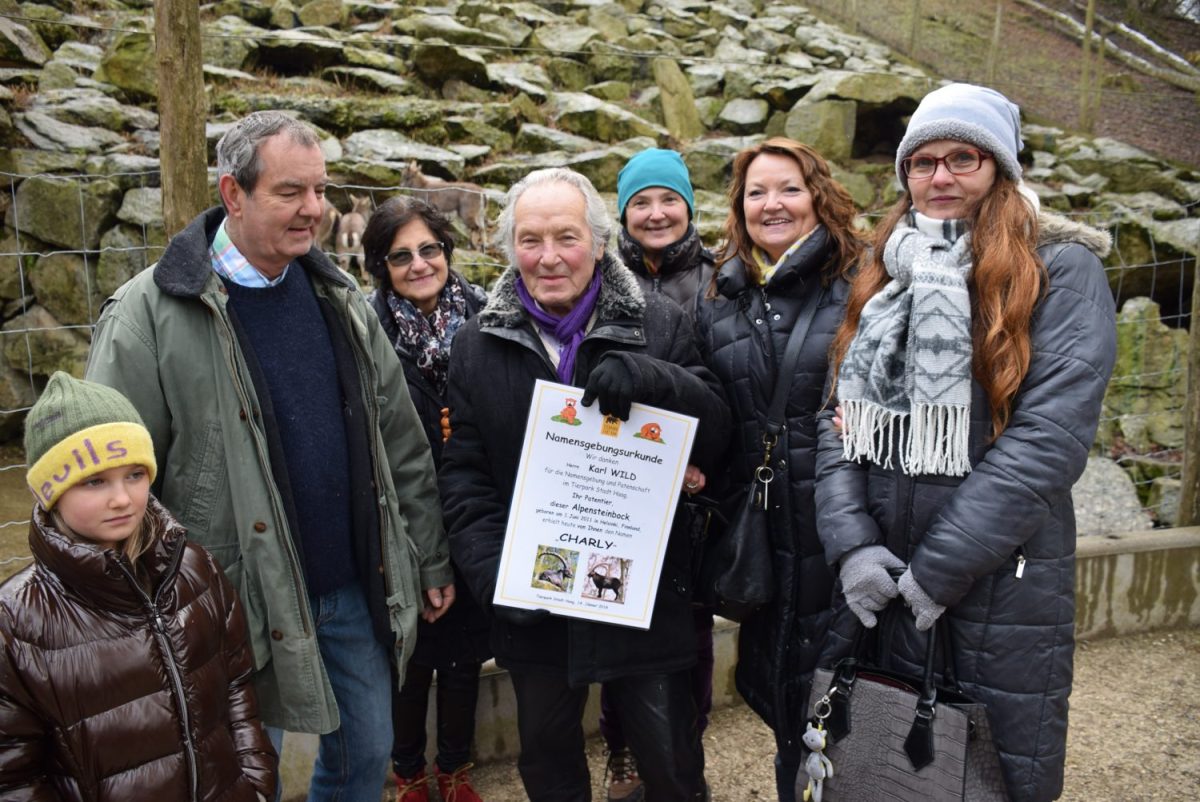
<point>620,296</point>
<point>1055,228</point>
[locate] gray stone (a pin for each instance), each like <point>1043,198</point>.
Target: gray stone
<point>92,108</point>
<point>222,75</point>
<point>16,394</point>
<point>469,129</point>
<point>300,51</point>
<point>125,251</point>
<point>709,160</point>
<point>368,79</point>
<point>391,146</point>
<point>678,103</point>
<point>569,74</point>
<point>129,65</point>
<point>256,11</point>
<point>324,13</point>
<point>448,29</point>
<point>744,116</point>
<point>284,15</point>
<point>1106,502</point>
<point>707,108</point>
<point>79,56</point>
<point>142,207</point>
<point>797,60</point>
<point>514,32</point>
<point>706,79</point>
<point>858,185</point>
<point>472,154</point>
<point>826,125</point>
<point>533,138</point>
<point>67,212</point>
<point>48,133</point>
<point>437,62</point>
<point>342,114</point>
<point>1163,500</point>
<point>30,161</point>
<point>733,53</point>
<point>36,340</point>
<point>20,45</point>
<point>563,38</point>
<point>519,76</point>
<point>611,20</point>
<point>230,42</point>
<point>56,75</point>
<point>375,60</point>
<point>1146,203</point>
<point>874,89</point>
<point>614,91</point>
<point>1182,235</point>
<point>65,284</point>
<point>17,257</point>
<point>591,117</point>
<point>783,93</point>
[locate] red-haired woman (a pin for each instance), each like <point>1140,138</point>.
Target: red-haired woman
<point>789,239</point>
<point>977,344</point>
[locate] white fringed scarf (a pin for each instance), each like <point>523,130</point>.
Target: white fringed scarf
<point>906,378</point>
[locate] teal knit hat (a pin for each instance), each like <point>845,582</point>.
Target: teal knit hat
<point>654,167</point>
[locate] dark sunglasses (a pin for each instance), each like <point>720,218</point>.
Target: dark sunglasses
<point>404,257</point>
<point>959,162</point>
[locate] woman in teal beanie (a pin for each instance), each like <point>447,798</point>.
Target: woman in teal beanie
<point>657,239</point>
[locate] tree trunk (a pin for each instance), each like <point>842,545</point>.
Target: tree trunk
<point>182,110</point>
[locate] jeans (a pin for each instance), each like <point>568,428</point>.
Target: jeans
<point>660,719</point>
<point>352,760</point>
<point>457,694</point>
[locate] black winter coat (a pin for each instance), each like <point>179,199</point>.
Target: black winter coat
<point>495,361</point>
<point>744,332</point>
<point>686,269</point>
<point>964,537</point>
<point>461,635</point>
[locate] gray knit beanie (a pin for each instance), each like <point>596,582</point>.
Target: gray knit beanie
<point>975,114</point>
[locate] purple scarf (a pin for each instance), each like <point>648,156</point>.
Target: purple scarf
<point>569,329</point>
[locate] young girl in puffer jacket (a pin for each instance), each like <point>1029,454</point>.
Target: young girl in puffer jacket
<point>124,662</point>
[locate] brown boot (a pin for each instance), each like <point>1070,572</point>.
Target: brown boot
<point>624,784</point>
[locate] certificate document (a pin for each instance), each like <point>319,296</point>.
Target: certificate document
<point>592,508</point>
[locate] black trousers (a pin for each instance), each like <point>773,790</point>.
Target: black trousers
<point>457,694</point>
<point>657,711</point>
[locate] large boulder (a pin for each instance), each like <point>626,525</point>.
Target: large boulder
<point>678,103</point>
<point>302,51</point>
<point>230,42</point>
<point>384,145</point>
<point>66,212</point>
<point>1147,395</point>
<point>745,116</point>
<point>129,65</point>
<point>513,32</point>
<point>21,46</point>
<point>437,62</point>
<point>520,76</point>
<point>826,125</point>
<point>16,394</point>
<point>141,206</point>
<point>17,258</point>
<point>50,133</point>
<point>534,138</point>
<point>93,108</point>
<point>563,37</point>
<point>582,114</point>
<point>324,13</point>
<point>1106,501</point>
<point>125,251</point>
<point>426,27</point>
<point>370,80</point>
<point>36,340</point>
<point>65,284</point>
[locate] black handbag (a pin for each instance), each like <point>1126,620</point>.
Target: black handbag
<point>736,574</point>
<point>904,738</point>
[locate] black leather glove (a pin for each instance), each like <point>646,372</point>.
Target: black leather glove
<point>520,617</point>
<point>616,383</point>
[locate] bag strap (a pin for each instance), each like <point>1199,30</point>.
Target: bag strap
<point>791,355</point>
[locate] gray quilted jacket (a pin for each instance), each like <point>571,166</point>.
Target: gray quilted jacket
<point>964,537</point>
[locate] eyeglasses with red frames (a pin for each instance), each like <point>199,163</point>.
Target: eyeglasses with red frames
<point>404,257</point>
<point>958,162</point>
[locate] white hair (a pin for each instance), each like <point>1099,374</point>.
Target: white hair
<point>598,219</point>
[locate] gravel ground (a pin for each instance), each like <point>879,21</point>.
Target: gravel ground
<point>1134,736</point>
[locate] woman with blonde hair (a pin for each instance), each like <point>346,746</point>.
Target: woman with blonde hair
<point>977,345</point>
<point>789,246</point>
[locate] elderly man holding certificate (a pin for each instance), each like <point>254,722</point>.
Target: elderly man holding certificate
<point>567,310</point>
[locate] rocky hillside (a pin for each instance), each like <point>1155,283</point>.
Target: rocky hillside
<point>481,92</point>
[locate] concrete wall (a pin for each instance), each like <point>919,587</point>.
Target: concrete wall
<point>1124,584</point>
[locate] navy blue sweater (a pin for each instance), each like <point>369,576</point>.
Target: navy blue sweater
<point>291,344</point>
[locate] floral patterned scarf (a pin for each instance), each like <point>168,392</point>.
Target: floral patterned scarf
<point>427,338</point>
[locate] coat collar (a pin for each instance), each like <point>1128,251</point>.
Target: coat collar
<point>809,258</point>
<point>620,296</point>
<point>185,268</point>
<point>678,257</point>
<point>1054,229</point>
<point>92,572</point>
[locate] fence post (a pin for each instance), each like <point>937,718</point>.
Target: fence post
<point>994,50</point>
<point>1085,78</point>
<point>182,110</point>
<point>1189,491</point>
<point>914,28</point>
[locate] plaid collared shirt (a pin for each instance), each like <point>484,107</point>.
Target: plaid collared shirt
<point>228,262</point>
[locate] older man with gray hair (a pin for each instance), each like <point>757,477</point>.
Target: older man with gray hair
<point>288,446</point>
<point>568,310</point>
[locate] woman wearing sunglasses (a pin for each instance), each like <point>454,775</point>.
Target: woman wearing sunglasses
<point>422,303</point>
<point>976,348</point>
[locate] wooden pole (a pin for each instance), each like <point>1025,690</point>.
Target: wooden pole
<point>994,51</point>
<point>853,16</point>
<point>182,109</point>
<point>914,27</point>
<point>1189,491</point>
<point>1085,100</point>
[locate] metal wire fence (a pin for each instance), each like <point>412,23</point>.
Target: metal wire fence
<point>58,265</point>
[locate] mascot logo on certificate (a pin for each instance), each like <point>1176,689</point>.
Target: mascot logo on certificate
<point>651,432</point>
<point>569,415</point>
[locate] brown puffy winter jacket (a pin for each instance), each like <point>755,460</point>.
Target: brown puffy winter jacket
<point>109,692</point>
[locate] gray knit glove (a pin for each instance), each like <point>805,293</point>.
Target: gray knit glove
<point>924,609</point>
<point>865,581</point>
